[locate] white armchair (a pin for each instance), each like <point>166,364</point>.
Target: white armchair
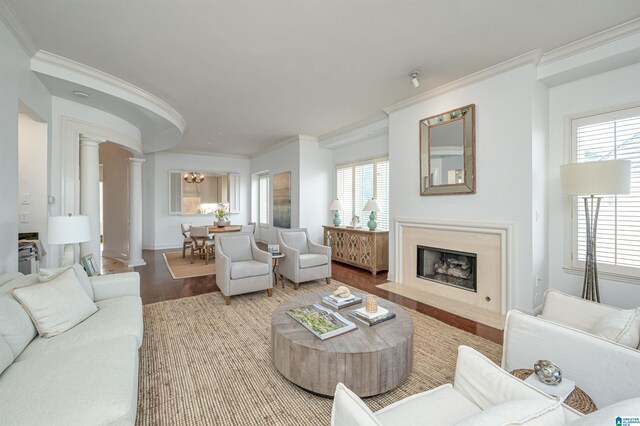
<point>482,394</point>
<point>303,259</point>
<point>241,267</point>
<point>565,333</point>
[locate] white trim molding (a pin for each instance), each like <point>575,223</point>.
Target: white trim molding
<point>8,16</point>
<point>532,57</point>
<point>505,231</point>
<point>66,69</point>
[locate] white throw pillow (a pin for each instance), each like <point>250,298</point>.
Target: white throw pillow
<point>56,305</point>
<point>621,327</point>
<point>47,274</point>
<point>349,410</point>
<point>519,412</point>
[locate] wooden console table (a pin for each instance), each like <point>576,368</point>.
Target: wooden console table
<point>358,247</point>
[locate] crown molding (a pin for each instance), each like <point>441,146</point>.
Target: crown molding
<point>590,42</point>
<point>8,16</point>
<point>66,69</point>
<point>531,57</point>
<point>373,126</point>
<point>199,152</point>
<point>280,144</point>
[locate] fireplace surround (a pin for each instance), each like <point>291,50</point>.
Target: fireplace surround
<point>493,244</point>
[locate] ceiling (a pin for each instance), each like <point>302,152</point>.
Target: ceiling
<point>246,75</point>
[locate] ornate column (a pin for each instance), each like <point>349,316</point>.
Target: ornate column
<point>135,212</point>
<point>90,193</point>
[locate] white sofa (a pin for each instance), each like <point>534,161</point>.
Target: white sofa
<point>87,375</point>
<point>482,394</point>
<point>563,333</point>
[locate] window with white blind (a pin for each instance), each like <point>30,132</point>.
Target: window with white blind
<point>263,199</point>
<point>609,136</point>
<point>356,183</point>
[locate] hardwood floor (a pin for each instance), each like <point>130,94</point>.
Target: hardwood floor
<point>156,285</point>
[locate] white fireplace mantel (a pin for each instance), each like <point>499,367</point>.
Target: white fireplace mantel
<point>505,233</point>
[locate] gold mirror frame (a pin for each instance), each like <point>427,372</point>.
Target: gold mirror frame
<point>467,175</point>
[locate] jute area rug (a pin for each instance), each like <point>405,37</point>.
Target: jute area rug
<point>180,268</point>
<point>204,363</point>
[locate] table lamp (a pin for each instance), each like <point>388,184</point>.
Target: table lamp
<point>593,179</point>
<point>69,230</point>
<point>336,206</point>
<point>373,207</point>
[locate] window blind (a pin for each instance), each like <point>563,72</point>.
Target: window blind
<point>175,192</point>
<point>358,183</point>
<point>608,137</point>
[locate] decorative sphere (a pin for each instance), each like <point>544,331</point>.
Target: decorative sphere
<point>548,372</point>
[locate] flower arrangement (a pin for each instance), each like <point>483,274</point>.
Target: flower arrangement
<point>221,214</point>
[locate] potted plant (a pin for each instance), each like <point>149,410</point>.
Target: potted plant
<point>222,216</point>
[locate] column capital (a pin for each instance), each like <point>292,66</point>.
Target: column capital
<point>135,160</point>
<point>89,140</point>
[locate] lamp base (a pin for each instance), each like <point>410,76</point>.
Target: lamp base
<point>372,222</point>
<point>336,219</point>
<point>590,289</point>
<point>68,258</point>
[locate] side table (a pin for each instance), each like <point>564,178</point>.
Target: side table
<point>578,399</point>
<point>275,259</point>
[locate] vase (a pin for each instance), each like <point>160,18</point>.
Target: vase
<point>221,223</point>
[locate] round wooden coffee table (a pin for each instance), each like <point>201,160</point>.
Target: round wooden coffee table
<point>368,360</point>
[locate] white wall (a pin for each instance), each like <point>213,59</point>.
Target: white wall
<point>32,155</point>
<point>504,158</point>
<point>17,83</point>
<point>316,175</point>
<point>115,202</point>
<point>606,90</point>
<point>373,147</point>
<point>164,232</point>
<point>285,158</point>
<point>69,120</point>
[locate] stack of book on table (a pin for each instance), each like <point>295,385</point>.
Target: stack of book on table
<point>372,318</point>
<point>341,302</point>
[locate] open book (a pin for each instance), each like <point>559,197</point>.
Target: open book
<point>321,321</point>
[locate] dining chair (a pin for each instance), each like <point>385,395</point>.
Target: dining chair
<point>250,228</point>
<point>203,243</point>
<point>187,242</point>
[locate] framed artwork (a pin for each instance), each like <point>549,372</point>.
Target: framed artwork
<point>282,200</point>
<point>89,265</point>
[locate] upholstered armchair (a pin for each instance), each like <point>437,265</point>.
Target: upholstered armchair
<point>241,267</point>
<point>303,259</point>
<point>595,345</point>
<point>481,394</point>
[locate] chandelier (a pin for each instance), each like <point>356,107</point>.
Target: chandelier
<point>193,177</point>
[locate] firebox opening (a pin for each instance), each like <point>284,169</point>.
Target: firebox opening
<point>449,267</point>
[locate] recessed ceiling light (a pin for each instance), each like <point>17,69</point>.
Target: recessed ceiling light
<point>80,94</point>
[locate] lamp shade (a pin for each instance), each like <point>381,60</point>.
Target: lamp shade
<point>596,178</point>
<point>371,206</point>
<point>336,205</point>
<point>69,229</point>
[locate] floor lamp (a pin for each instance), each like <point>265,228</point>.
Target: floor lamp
<point>593,179</point>
<point>69,230</point>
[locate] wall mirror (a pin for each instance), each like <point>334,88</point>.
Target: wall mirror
<point>202,192</point>
<point>448,153</point>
